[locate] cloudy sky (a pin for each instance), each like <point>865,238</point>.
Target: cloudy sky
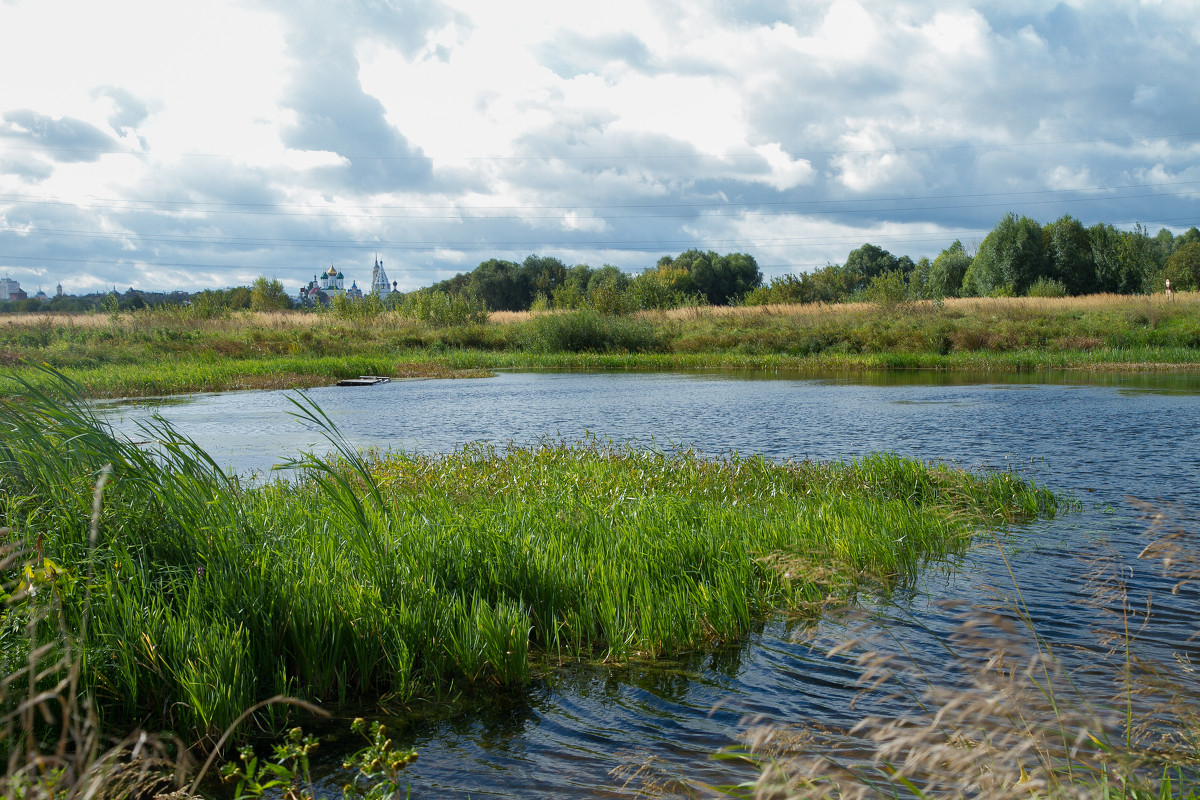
<point>168,145</point>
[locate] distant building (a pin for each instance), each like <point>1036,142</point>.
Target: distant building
<point>324,287</point>
<point>379,280</point>
<point>11,290</point>
<point>42,296</point>
<point>327,285</point>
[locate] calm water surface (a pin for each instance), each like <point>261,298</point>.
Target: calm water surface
<point>1105,441</point>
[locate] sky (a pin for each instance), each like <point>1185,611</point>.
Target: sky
<point>182,146</point>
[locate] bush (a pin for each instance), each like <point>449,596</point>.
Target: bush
<point>1047,287</point>
<point>440,309</point>
<point>588,331</point>
<point>888,289</point>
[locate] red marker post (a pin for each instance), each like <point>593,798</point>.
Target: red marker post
<point>1168,289</point>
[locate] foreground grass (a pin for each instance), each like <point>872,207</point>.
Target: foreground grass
<point>401,576</point>
<point>175,351</point>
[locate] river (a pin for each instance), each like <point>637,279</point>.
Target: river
<point>1105,439</point>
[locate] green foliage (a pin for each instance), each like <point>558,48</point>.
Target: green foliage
<point>500,285</point>
<point>587,330</point>
<point>783,289</point>
<point>1183,267</point>
<point>287,772</point>
<point>663,287</point>
<point>720,280</point>
<point>442,309</point>
<point>1073,264</point>
<point>268,295</point>
<point>1047,287</point>
<point>947,272</point>
<point>378,766</point>
<point>870,261</point>
<point>888,289</point>
<point>1010,258</point>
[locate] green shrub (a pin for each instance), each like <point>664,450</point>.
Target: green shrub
<point>439,308</point>
<point>590,331</point>
<point>1047,287</point>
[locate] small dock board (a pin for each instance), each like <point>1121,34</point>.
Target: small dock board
<point>364,380</point>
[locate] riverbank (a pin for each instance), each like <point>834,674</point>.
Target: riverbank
<point>150,353</point>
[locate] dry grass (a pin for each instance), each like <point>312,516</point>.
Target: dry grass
<point>509,317</point>
<point>293,320</point>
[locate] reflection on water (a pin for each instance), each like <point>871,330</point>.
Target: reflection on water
<point>1105,438</point>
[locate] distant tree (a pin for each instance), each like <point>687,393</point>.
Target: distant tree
<point>610,276</point>
<point>268,295</point>
<point>1183,268</point>
<point>1164,240</point>
<point>131,301</point>
<point>1010,258</point>
<point>501,285</point>
<point>888,289</point>
<point>1139,261</point>
<point>543,274</point>
<point>834,283</point>
<point>721,280</point>
<point>1104,239</point>
<point>459,284</point>
<point>237,298</point>
<point>1071,257</point>
<point>663,286</point>
<point>946,273</point>
<point>783,289</point>
<point>871,261</point>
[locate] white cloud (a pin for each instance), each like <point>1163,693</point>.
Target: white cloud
<point>593,131</point>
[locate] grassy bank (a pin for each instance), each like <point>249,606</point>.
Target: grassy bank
<point>416,576</point>
<point>172,351</point>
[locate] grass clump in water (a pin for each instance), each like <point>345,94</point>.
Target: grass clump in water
<point>360,578</point>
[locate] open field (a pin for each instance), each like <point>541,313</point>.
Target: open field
<point>173,351</point>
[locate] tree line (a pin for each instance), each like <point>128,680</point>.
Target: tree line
<point>1019,257</point>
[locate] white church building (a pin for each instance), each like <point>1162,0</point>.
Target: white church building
<point>328,285</point>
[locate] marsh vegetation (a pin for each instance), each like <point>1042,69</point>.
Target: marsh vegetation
<point>170,351</point>
<point>401,576</point>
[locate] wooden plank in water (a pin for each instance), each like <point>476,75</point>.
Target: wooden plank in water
<point>364,380</point>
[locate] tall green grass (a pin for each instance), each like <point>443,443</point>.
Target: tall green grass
<point>359,577</point>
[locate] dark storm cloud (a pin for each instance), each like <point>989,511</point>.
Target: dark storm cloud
<point>64,139</point>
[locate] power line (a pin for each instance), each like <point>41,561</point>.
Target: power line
<point>633,156</point>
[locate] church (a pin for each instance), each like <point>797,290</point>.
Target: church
<point>328,285</point>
